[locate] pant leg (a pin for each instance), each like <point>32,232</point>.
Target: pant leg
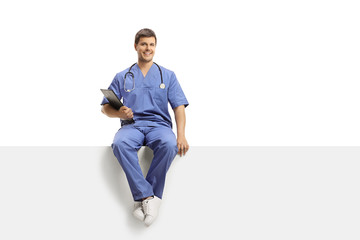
<point>127,141</point>
<point>162,141</point>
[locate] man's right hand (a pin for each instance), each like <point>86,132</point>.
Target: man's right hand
<point>126,113</point>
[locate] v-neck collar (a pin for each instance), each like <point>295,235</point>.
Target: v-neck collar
<point>148,72</point>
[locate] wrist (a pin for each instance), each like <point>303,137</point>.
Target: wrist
<point>181,135</point>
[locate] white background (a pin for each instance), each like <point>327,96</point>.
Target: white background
<point>254,72</point>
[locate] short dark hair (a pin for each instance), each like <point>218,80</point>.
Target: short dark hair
<point>145,32</point>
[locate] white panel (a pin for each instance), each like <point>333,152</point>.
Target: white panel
<point>213,192</point>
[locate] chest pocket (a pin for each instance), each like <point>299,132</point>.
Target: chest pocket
<point>161,98</point>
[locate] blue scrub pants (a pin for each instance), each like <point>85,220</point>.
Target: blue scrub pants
<point>128,140</point>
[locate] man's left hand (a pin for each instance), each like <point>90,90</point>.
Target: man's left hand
<point>182,145</point>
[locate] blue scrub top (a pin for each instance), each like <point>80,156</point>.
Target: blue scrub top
<point>148,101</point>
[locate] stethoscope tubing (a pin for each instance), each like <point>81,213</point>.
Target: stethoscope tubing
<point>162,85</point>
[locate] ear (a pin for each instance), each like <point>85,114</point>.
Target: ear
<point>135,46</point>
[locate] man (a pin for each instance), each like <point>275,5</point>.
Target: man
<point>146,89</point>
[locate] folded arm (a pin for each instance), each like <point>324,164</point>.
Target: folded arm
<point>124,112</point>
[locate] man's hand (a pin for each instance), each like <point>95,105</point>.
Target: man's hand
<point>182,145</point>
<point>126,113</point>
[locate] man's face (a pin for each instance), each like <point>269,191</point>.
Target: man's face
<point>146,49</point>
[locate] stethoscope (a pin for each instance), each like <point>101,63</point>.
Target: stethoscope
<point>162,85</point>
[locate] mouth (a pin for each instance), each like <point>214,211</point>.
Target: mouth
<point>147,53</point>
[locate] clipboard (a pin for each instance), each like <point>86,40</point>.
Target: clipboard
<point>115,103</point>
<point>112,98</point>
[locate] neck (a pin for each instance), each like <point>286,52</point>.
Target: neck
<point>144,65</point>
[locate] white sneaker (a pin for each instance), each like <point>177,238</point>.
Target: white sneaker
<point>151,209</point>
<point>138,211</point>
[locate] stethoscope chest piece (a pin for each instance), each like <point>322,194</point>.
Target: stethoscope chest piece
<point>162,85</point>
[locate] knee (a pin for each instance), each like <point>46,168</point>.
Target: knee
<point>168,144</point>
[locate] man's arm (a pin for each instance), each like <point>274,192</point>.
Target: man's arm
<point>124,112</point>
<point>180,119</point>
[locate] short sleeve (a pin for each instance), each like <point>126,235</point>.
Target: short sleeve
<point>115,86</point>
<point>176,95</point>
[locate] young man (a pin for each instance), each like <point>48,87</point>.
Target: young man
<point>146,89</point>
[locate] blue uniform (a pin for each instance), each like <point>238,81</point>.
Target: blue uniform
<point>152,127</point>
